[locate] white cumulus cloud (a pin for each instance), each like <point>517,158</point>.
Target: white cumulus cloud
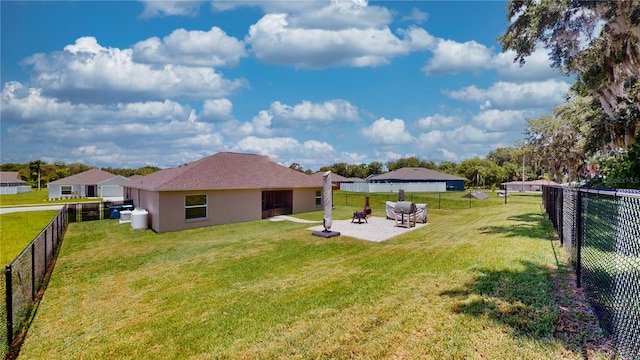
<point>451,57</point>
<point>217,108</point>
<point>327,111</point>
<point>274,40</point>
<point>508,95</point>
<point>503,120</point>
<point>195,48</point>
<point>438,121</point>
<point>88,72</point>
<point>387,132</point>
<point>153,8</point>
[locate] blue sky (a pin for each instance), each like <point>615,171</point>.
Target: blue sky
<point>162,83</point>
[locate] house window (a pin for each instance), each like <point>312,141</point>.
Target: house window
<point>66,190</point>
<point>195,207</point>
<point>318,197</point>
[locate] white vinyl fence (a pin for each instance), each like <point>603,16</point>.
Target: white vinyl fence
<point>394,187</point>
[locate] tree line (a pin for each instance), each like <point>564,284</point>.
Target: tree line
<point>500,165</point>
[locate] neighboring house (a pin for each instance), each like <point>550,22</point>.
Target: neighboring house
<point>336,179</point>
<point>90,183</point>
<point>223,188</point>
<point>10,183</point>
<point>535,185</point>
<point>409,179</point>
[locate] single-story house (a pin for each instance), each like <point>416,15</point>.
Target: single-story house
<point>90,183</point>
<point>411,179</point>
<point>534,185</point>
<point>10,183</point>
<point>336,179</point>
<point>223,188</point>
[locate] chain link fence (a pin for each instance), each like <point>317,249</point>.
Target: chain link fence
<point>600,229</point>
<point>24,278</point>
<point>449,200</point>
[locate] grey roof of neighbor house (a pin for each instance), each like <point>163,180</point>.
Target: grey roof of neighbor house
<point>226,170</point>
<point>334,177</point>
<point>10,177</point>
<point>89,177</point>
<point>415,174</point>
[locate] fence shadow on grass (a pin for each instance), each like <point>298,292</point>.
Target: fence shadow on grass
<point>521,299</point>
<point>531,225</point>
<point>527,301</point>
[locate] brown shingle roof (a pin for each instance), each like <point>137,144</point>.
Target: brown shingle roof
<point>10,177</point>
<point>226,170</point>
<point>415,174</point>
<point>89,177</point>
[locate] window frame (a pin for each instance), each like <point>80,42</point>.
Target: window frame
<point>188,207</point>
<point>68,192</point>
<point>318,197</point>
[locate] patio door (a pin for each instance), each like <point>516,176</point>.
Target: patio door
<point>277,203</point>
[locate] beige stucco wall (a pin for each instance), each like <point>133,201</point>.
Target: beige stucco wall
<point>304,200</point>
<point>166,209</point>
<point>223,207</point>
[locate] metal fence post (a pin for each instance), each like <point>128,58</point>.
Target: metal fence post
<point>9,304</point>
<point>578,243</point>
<point>33,271</point>
<point>561,217</point>
<point>45,242</point>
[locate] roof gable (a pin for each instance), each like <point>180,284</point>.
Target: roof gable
<point>416,174</point>
<point>226,170</point>
<point>89,177</point>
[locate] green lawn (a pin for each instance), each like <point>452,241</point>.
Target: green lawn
<point>434,200</point>
<point>17,230</point>
<point>35,197</point>
<point>474,283</point>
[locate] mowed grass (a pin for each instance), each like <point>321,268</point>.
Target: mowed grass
<point>434,200</point>
<point>17,230</point>
<point>474,283</point>
<point>35,197</point>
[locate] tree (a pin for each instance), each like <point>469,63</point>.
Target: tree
<point>505,155</point>
<point>34,172</point>
<point>481,172</point>
<point>374,168</point>
<point>410,162</point>
<point>623,169</point>
<point>448,167</point>
<point>296,167</point>
<point>558,143</point>
<point>596,40</point>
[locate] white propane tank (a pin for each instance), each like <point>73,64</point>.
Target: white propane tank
<point>139,219</point>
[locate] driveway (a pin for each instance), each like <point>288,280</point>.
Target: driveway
<point>30,208</point>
